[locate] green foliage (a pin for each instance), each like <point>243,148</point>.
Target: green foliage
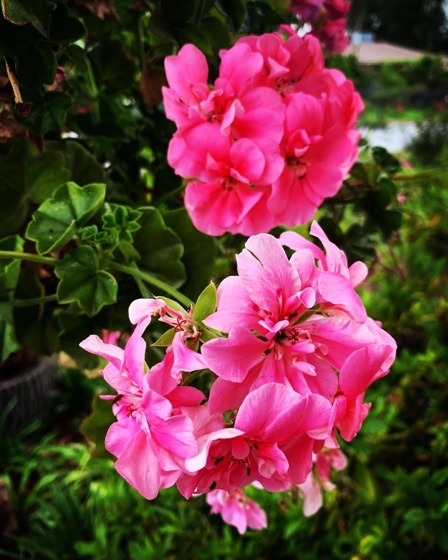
<point>27,177</point>
<point>84,283</point>
<point>159,247</point>
<point>59,218</point>
<point>206,303</point>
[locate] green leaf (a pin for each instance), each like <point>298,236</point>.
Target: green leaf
<point>121,222</point>
<point>63,28</point>
<point>207,334</point>
<point>48,113</point>
<point>216,33</point>
<point>175,306</point>
<point>35,12</point>
<point>95,427</point>
<point>56,221</point>
<point>8,342</point>
<point>38,173</point>
<point>26,174</point>
<point>83,282</point>
<point>189,33</point>
<point>387,161</point>
<point>415,516</point>
<point>9,268</point>
<point>83,167</point>
<point>206,303</point>
<point>366,484</point>
<point>200,251</point>
<point>38,66</point>
<point>367,172</point>
<point>166,339</point>
<point>159,247</point>
<point>235,9</point>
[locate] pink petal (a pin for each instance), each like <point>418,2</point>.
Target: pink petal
<point>232,358</point>
<point>176,435</point>
<point>139,467</point>
<point>338,290</point>
<point>234,306</point>
<point>361,367</point>
<point>266,272</point>
<point>185,70</point>
<point>109,352</point>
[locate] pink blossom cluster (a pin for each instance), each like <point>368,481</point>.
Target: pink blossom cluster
<point>328,20</point>
<point>291,351</point>
<point>269,141</point>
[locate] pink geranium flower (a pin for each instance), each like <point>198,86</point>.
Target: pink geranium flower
<point>318,154</point>
<point>237,509</point>
<point>298,322</point>
<point>151,438</point>
<point>271,442</point>
<point>245,176</point>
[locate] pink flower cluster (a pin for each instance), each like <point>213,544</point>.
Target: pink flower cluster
<point>295,356</point>
<point>268,142</point>
<point>328,20</point>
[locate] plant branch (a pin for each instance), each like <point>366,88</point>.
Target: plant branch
<point>136,273</point>
<point>34,301</point>
<point>28,257</point>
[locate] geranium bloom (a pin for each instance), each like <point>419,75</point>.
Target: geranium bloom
<point>291,371</point>
<point>233,197</point>
<point>150,438</point>
<point>318,479</point>
<point>268,142</point>
<point>298,323</point>
<point>271,442</point>
<point>237,509</point>
<point>318,153</point>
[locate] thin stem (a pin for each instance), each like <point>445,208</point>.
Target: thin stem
<point>170,194</point>
<point>150,279</point>
<point>34,301</point>
<point>28,257</point>
<point>191,377</point>
<point>145,293</point>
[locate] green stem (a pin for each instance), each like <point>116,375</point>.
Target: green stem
<point>170,194</point>
<point>28,257</point>
<point>150,279</point>
<point>191,377</point>
<point>141,286</point>
<point>34,301</point>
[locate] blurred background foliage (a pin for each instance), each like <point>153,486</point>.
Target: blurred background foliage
<point>90,75</point>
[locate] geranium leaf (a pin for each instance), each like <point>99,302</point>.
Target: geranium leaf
<point>8,343</point>
<point>235,10</point>
<point>27,174</point>
<point>159,247</point>
<point>200,251</point>
<point>84,283</point>
<point>83,167</point>
<point>9,268</point>
<point>166,339</point>
<point>56,220</point>
<point>35,12</point>
<point>206,303</point>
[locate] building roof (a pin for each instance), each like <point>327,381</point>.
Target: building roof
<point>376,53</point>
